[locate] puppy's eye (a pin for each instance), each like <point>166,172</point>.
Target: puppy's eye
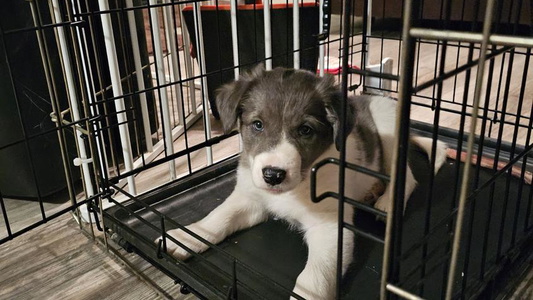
<point>305,131</point>
<point>258,126</point>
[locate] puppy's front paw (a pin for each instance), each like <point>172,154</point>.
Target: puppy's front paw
<point>312,285</point>
<point>383,203</point>
<point>306,294</point>
<point>187,240</point>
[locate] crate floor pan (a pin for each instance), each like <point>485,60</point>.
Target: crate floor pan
<point>264,261</point>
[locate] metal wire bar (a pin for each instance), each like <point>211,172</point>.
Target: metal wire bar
<point>472,203</point>
<point>500,136</point>
<point>456,44</point>
<point>234,37</point>
<point>470,144</point>
<point>117,90</point>
<point>188,61</point>
<point>440,261</point>
<point>171,42</point>
<point>520,101</point>
<point>458,70</point>
<point>4,214</point>
<point>81,66</point>
<point>48,218</point>
<point>296,33</point>
<point>357,204</point>
<point>187,151</point>
<point>467,114</point>
<point>460,36</point>
<point>529,205</point>
<point>463,113</point>
<point>423,264</point>
<point>188,79</point>
<point>50,81</point>
<point>128,84</point>
<point>472,195</point>
<point>363,233</point>
<point>342,145</point>
<point>367,32</point>
<point>101,83</point>
<point>530,202</point>
<point>33,28</point>
<point>162,90</point>
<point>401,292</point>
<point>374,74</point>
<point>390,269</point>
<point>192,97</point>
<point>201,59</point>
<point>321,48</point>
<point>134,72</point>
<point>139,76</point>
<point>436,106</point>
<point>498,93</point>
<point>515,136</point>
<point>9,71</point>
<point>268,34</point>
<point>187,269</point>
<point>472,288</point>
<point>351,38</point>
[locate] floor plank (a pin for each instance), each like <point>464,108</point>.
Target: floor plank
<point>59,261</point>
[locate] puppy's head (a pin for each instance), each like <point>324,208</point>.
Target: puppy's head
<point>287,119</point>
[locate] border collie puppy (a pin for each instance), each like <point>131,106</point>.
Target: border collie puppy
<point>289,120</point>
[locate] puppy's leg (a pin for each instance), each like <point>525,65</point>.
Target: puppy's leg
<point>239,211</point>
<point>317,280</point>
<point>384,202</point>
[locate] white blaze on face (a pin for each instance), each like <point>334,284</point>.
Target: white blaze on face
<point>284,156</point>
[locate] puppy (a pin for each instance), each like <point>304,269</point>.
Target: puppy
<point>289,120</point>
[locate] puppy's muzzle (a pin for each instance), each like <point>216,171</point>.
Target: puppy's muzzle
<point>273,176</point>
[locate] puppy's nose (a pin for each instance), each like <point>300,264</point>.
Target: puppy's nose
<point>273,176</point>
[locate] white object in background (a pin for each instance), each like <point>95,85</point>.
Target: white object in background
<point>296,33</point>
<point>139,76</point>
<point>235,46</point>
<point>73,102</point>
<point>187,58</point>
<point>321,55</point>
<point>268,35</point>
<point>234,38</point>
<point>170,33</point>
<point>379,86</point>
<point>91,91</point>
<point>160,72</point>
<point>116,83</point>
<point>368,32</point>
<point>201,58</point>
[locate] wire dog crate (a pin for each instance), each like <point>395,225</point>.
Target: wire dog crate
<point>129,86</point>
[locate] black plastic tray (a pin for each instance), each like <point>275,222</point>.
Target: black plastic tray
<point>271,255</point>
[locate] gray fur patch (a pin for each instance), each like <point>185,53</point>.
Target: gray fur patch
<point>287,103</point>
<point>364,126</point>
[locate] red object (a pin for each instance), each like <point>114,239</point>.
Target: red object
<point>333,66</point>
<point>258,5</point>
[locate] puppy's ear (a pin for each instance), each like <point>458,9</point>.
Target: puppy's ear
<point>230,96</point>
<point>333,100</point>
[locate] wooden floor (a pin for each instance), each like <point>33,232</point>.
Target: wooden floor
<point>59,261</point>
<point>525,289</point>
